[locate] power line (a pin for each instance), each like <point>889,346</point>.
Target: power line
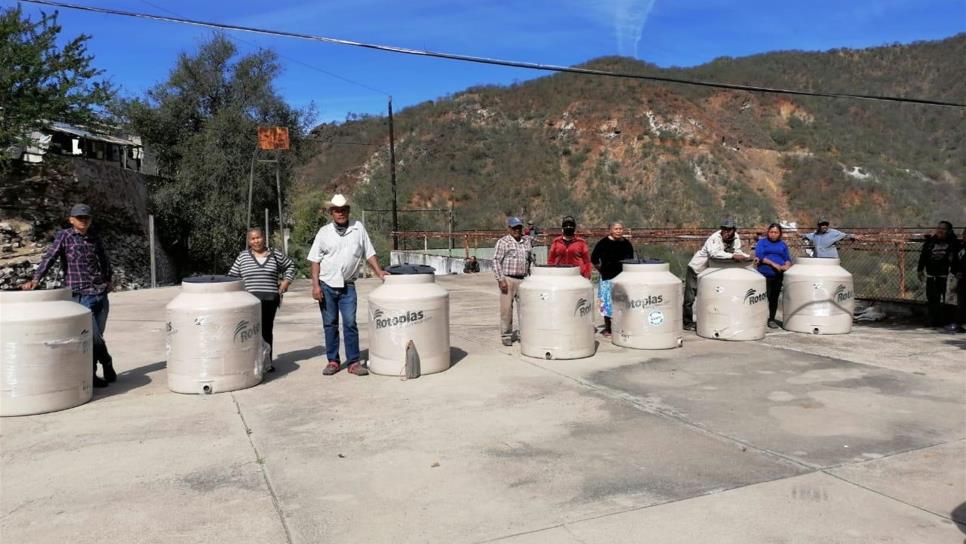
<point>493,61</point>
<point>296,61</point>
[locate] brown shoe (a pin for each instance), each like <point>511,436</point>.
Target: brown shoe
<point>331,368</point>
<point>357,369</point>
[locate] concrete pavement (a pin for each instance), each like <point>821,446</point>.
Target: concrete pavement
<point>858,438</point>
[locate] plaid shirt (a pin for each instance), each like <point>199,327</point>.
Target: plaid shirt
<point>86,268</point>
<point>512,258</point>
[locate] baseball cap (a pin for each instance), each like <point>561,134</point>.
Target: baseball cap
<point>728,224</point>
<point>80,210</point>
<point>822,222</point>
<point>514,222</point>
<point>338,200</point>
<point>569,220</point>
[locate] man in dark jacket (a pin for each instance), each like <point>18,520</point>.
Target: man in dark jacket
<point>935,261</point>
<point>959,270</point>
<point>87,272</point>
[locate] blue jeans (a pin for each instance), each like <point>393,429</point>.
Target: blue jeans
<point>99,307</point>
<point>336,301</point>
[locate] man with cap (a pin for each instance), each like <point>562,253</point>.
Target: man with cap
<point>87,272</point>
<point>511,263</point>
<point>822,241</point>
<point>338,255</point>
<point>723,245</point>
<point>570,248</point>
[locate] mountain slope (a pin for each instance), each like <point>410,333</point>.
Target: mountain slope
<point>672,155</point>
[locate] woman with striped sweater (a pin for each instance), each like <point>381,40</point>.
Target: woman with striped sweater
<point>267,273</point>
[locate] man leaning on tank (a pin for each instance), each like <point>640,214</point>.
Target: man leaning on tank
<point>723,245</point>
<point>88,274</point>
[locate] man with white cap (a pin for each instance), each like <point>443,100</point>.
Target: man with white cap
<point>511,263</point>
<point>338,255</point>
<point>723,245</point>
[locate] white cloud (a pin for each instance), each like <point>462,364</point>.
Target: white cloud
<point>626,18</point>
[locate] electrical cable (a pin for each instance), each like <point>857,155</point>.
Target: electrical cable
<point>494,61</point>
<point>296,61</point>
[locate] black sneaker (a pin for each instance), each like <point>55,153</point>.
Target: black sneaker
<point>99,382</point>
<point>772,324</point>
<point>690,326</point>
<point>508,342</point>
<point>110,376</point>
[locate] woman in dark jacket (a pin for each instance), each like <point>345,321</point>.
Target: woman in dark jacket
<point>935,261</point>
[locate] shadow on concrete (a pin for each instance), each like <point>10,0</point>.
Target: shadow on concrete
<point>961,344</point>
<point>959,516</point>
<point>130,380</point>
<point>289,362</point>
<point>455,356</point>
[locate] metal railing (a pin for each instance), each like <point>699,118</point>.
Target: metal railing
<point>882,261</point>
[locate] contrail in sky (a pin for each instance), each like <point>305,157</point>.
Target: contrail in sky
<point>630,16</point>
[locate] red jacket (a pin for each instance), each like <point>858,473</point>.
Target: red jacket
<point>575,252</point>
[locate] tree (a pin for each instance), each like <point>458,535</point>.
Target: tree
<point>41,82</point>
<point>202,124</point>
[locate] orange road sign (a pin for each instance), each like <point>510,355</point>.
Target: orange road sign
<point>273,138</point>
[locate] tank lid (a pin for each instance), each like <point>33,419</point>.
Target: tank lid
<point>643,261</point>
<point>17,296</point>
<point>826,261</point>
<point>209,279</point>
<point>407,269</point>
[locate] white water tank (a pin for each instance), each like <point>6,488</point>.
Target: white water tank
<point>46,352</point>
<point>214,337</point>
<point>818,297</point>
<point>647,301</point>
<point>556,313</point>
<point>409,307</point>
<point>732,303</point>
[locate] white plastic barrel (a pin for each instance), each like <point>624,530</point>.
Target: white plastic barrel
<point>409,307</point>
<point>556,313</point>
<point>818,297</point>
<point>732,303</point>
<point>46,358</point>
<point>647,301</point>
<point>214,337</point>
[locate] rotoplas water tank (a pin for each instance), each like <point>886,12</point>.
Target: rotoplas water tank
<point>556,313</point>
<point>214,337</point>
<point>647,300</point>
<point>46,352</point>
<point>409,307</point>
<point>732,303</point>
<point>818,297</point>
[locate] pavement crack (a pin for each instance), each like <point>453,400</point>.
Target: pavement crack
<point>261,465</point>
<point>890,497</point>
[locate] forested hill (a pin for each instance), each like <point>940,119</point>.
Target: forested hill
<point>673,155</point>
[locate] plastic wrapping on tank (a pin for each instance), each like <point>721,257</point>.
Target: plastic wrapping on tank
<point>214,337</point>
<point>409,311</point>
<point>556,314</point>
<point>48,375</point>
<point>45,352</point>
<point>647,302</point>
<point>818,297</point>
<point>732,302</point>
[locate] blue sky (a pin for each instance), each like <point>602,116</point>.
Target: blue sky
<point>137,54</point>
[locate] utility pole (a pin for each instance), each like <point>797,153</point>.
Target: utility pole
<point>281,220</point>
<point>452,190</point>
<point>392,180</point>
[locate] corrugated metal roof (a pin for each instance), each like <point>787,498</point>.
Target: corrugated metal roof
<point>57,126</point>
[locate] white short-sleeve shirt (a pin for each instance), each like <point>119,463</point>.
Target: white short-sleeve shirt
<point>341,258</point>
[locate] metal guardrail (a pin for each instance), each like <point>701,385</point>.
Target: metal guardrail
<point>882,261</point>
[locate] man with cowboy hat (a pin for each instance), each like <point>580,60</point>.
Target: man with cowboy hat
<point>340,251</point>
